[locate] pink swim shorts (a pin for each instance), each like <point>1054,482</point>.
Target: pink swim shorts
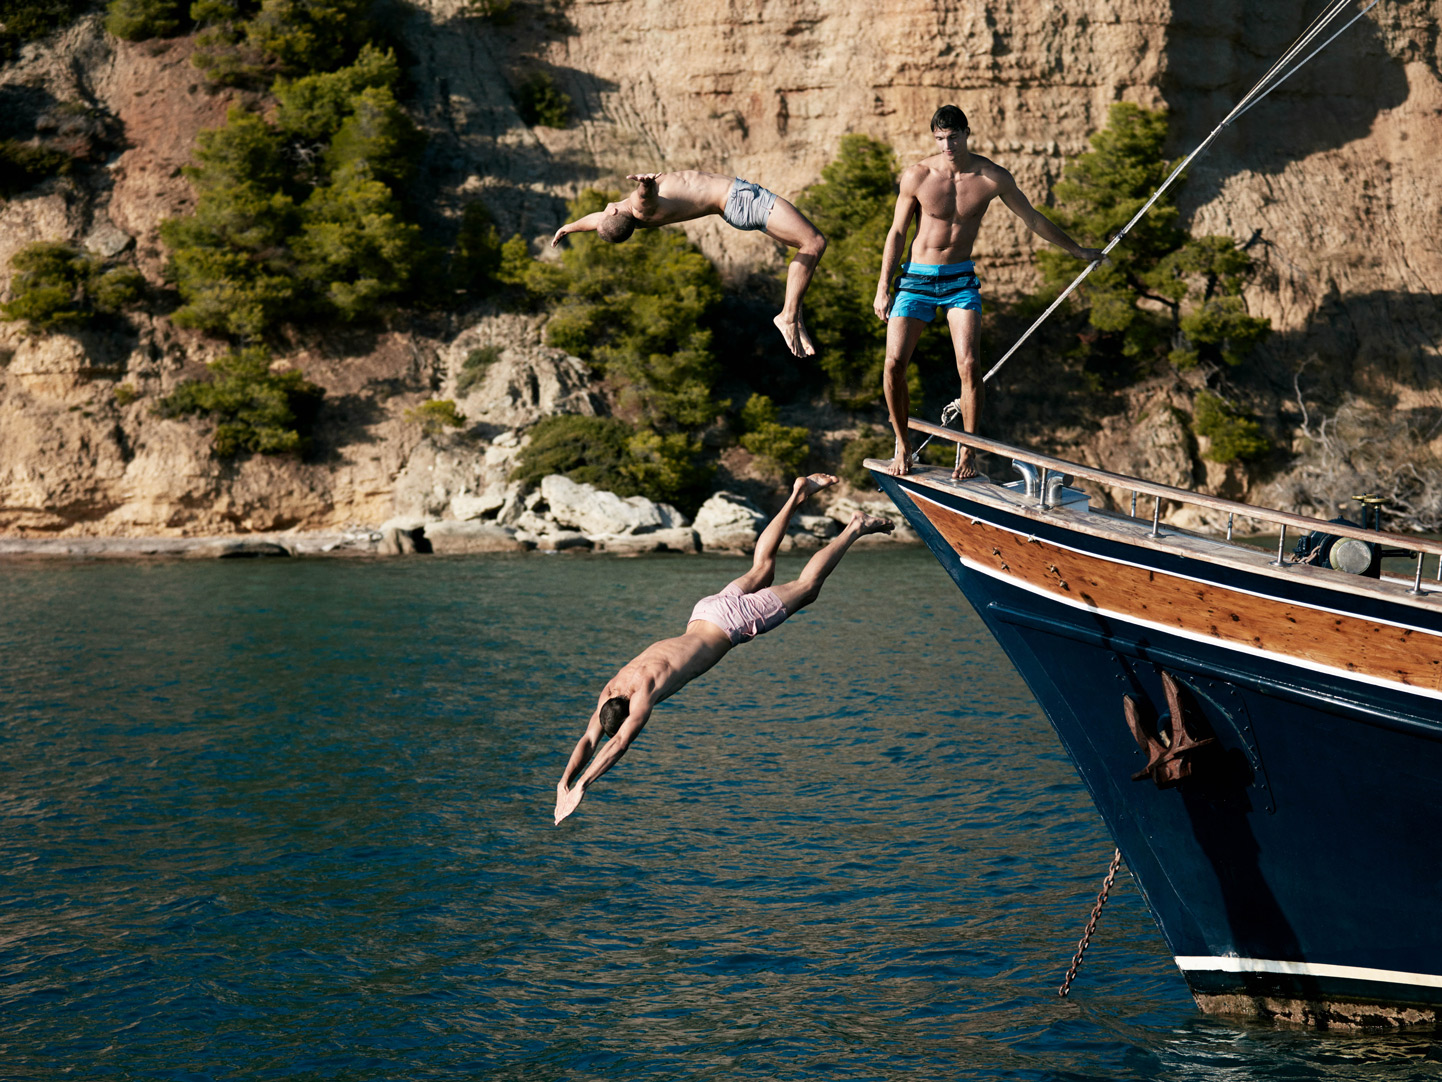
<point>741,616</point>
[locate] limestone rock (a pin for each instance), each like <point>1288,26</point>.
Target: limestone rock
<point>729,522</point>
<point>809,532</point>
<point>599,513</point>
<point>514,380</point>
<point>451,538</point>
<point>675,539</point>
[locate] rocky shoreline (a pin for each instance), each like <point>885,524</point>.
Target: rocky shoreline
<point>559,516</point>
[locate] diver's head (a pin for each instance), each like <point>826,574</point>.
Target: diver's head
<point>613,713</point>
<point>616,225</point>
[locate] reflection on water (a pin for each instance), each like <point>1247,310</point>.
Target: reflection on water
<point>293,819</point>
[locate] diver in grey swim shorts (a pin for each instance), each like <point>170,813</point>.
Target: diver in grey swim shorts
<point>668,198</point>
<point>747,607</point>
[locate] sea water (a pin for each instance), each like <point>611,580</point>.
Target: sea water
<point>293,819</point>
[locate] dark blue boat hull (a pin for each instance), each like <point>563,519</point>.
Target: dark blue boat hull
<point>1293,874</point>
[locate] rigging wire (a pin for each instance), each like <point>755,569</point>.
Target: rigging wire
<point>1277,74</point>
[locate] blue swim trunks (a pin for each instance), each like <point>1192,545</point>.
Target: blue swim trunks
<point>748,205</point>
<point>925,287</point>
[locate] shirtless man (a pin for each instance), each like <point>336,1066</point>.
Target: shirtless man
<point>952,190</point>
<point>748,607</point>
<point>667,198</point>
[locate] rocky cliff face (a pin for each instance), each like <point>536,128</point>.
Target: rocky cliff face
<point>1332,178</point>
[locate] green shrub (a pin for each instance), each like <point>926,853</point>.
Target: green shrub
<point>1233,435</point>
<point>1191,286</point>
<point>355,247</point>
<point>613,456</point>
<point>125,394</point>
<point>473,368</point>
<point>117,290</point>
<point>24,165</point>
<point>852,205</point>
<point>780,450</point>
<point>377,138</point>
<point>637,311</point>
<point>477,257</point>
<point>668,469</point>
<point>56,285</point>
<point>312,109</point>
<point>48,285</point>
<point>588,450</point>
<point>136,20</point>
<point>255,409</point>
<point>435,416</point>
<point>869,443</point>
<point>540,101</point>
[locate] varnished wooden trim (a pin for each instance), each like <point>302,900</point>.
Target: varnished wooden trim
<point>1356,648</point>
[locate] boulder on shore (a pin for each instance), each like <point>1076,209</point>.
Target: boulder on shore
<point>729,522</point>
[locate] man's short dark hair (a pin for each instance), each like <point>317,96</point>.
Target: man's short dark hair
<point>613,713</point>
<point>616,227</point>
<point>949,118</point>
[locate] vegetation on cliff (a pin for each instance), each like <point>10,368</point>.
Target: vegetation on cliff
<point>56,285</point>
<point>1163,293</point>
<point>255,408</point>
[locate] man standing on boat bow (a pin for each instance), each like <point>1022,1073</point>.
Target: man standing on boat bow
<point>951,190</point>
<point>747,607</point>
<point>668,198</point>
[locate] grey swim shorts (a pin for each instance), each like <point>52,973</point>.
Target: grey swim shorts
<point>748,206</point>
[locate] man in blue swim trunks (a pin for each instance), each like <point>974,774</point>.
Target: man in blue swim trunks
<point>948,193</point>
<point>667,198</point>
<point>747,607</point>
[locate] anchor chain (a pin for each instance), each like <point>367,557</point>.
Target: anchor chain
<point>1081,947</point>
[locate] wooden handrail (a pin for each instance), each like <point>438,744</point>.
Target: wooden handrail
<point>1178,495</point>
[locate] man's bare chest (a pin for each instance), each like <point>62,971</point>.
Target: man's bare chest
<point>956,200</point>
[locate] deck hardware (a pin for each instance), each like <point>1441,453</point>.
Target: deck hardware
<point>1052,487</point>
<point>1281,544</point>
<point>1044,489</point>
<point>1081,947</point>
<point>1029,476</point>
<point>1134,503</point>
<point>1156,516</point>
<point>1417,582</point>
<point>1230,515</point>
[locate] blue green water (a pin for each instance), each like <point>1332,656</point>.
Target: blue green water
<point>292,819</point>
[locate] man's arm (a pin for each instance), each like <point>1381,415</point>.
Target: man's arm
<point>646,191</point>
<point>587,224</point>
<point>569,798</point>
<point>891,249</point>
<point>1038,222</point>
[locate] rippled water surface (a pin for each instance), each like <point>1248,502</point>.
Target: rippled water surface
<point>293,820</point>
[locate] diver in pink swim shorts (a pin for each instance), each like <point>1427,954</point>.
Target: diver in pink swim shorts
<point>747,607</point>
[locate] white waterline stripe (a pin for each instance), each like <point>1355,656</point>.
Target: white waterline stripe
<point>1128,618</point>
<point>1232,964</point>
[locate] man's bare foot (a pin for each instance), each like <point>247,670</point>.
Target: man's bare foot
<point>871,523</point>
<point>807,486</point>
<point>965,465</point>
<point>798,340</point>
<point>901,463</point>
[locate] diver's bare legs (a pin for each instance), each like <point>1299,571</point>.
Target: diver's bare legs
<point>797,595</point>
<point>763,560</point>
<point>790,227</point>
<point>964,324</point>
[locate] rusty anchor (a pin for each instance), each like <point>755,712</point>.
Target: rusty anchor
<point>1169,760</point>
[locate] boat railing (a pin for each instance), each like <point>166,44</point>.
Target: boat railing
<point>1048,466</point>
